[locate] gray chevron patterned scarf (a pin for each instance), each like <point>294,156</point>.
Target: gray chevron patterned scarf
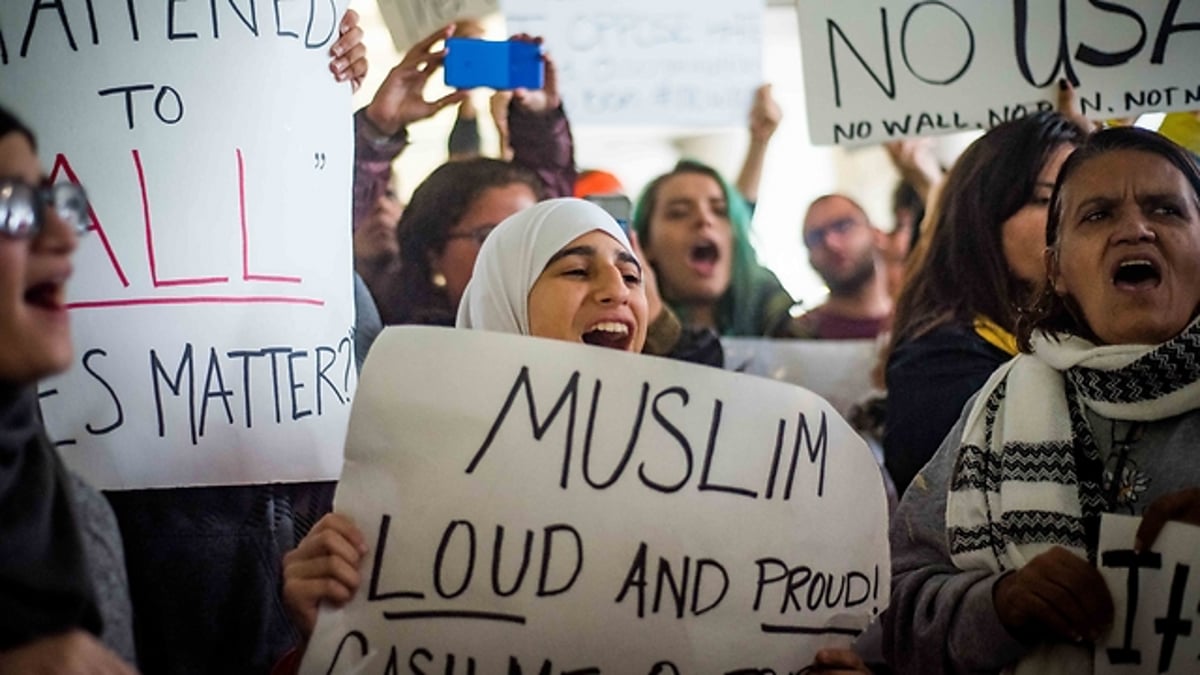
<point>1028,474</point>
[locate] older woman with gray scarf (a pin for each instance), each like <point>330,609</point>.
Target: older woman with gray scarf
<point>994,545</point>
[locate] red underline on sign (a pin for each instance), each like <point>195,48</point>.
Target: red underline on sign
<point>199,300</point>
<point>810,630</point>
<point>454,614</point>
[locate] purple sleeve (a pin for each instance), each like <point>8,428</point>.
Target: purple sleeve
<point>542,143</point>
<point>373,157</point>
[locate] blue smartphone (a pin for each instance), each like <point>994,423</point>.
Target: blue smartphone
<point>500,65</point>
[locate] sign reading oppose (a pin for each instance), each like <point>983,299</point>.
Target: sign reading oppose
<point>662,63</point>
<point>540,506</point>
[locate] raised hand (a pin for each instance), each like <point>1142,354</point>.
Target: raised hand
<point>541,100</point>
<point>917,163</point>
<point>765,115</point>
<point>400,100</point>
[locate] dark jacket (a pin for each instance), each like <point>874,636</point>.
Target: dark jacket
<point>929,380</point>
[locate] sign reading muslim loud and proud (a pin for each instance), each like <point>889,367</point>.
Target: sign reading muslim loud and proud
<point>877,70</point>
<point>544,507</point>
<point>211,301</point>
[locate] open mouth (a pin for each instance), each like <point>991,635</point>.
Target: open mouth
<point>46,295</point>
<point>610,334</point>
<point>704,256</point>
<point>1136,274</point>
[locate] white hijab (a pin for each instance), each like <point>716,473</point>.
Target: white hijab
<point>514,255</point>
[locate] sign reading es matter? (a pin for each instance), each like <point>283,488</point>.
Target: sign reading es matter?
<point>211,301</point>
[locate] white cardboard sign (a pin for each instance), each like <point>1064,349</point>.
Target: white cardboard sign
<point>877,70</point>
<point>838,371</point>
<point>661,63</point>
<point>409,21</point>
<point>540,506</point>
<point>1156,595</point>
<point>211,302</point>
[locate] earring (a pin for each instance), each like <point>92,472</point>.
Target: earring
<point>438,279</point>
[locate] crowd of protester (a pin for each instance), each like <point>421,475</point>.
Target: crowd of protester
<point>1039,304</point>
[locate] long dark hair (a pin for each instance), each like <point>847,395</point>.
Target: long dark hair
<point>959,271</point>
<point>437,205</point>
<point>1055,314</point>
<point>9,123</point>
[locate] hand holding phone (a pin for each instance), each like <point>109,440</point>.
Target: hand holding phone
<point>510,64</point>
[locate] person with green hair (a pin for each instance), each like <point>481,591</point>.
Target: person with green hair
<point>694,229</point>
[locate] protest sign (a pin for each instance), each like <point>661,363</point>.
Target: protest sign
<point>665,63</point>
<point>1156,597</point>
<point>541,506</point>
<point>878,70</point>
<point>409,21</point>
<point>211,302</point>
<point>838,371</point>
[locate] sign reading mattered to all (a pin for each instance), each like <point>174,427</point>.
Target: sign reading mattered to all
<point>211,301</point>
<point>535,506</point>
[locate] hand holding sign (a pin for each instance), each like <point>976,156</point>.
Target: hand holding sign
<point>1183,506</point>
<point>839,662</point>
<point>349,54</point>
<point>323,569</point>
<point>1056,592</point>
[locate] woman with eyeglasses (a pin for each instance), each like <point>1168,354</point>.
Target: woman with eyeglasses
<point>448,215</point>
<point>441,230</point>
<point>63,589</point>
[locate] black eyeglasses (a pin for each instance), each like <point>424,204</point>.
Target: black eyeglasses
<point>479,234</point>
<point>21,207</point>
<point>818,236</point>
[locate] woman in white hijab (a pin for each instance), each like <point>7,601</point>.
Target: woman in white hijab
<point>562,269</point>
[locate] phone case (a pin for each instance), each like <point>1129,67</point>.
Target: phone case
<point>500,65</point>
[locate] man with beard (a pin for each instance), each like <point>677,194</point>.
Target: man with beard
<point>844,248</point>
